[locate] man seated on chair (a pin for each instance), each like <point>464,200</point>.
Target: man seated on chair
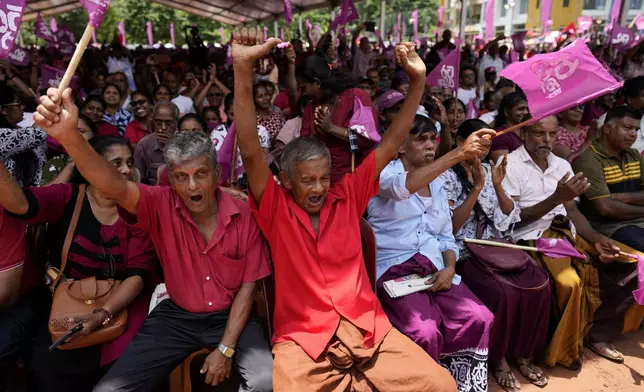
<point>330,332</point>
<point>546,188</point>
<point>413,226</point>
<point>212,255</point>
<point>614,204</point>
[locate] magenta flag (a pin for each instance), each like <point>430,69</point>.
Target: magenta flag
<point>362,122</point>
<point>472,110</point>
<point>621,37</point>
<point>639,22</point>
<point>11,12</point>
<point>51,77</point>
<point>225,155</point>
<point>414,17</point>
<point>614,12</point>
<point>19,56</point>
<point>518,41</point>
<point>148,28</point>
<point>560,80</point>
<point>546,7</point>
<point>96,10</point>
<point>53,25</point>
<point>66,40</point>
<point>639,293</point>
<point>288,12</point>
<point>441,13</point>
<point>558,248</point>
<point>121,28</point>
<point>489,19</point>
<point>446,72</point>
<point>346,14</point>
<point>172,35</point>
<point>42,31</point>
<point>584,23</point>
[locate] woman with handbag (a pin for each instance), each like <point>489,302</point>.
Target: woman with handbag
<point>513,287</point>
<point>104,265</point>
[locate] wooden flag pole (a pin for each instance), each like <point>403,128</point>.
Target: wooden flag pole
<point>76,59</point>
<point>514,127</point>
<point>501,244</point>
<point>233,163</point>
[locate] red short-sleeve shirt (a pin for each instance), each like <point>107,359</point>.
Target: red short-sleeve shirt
<point>320,278</point>
<point>13,255</point>
<point>135,131</point>
<point>202,276</point>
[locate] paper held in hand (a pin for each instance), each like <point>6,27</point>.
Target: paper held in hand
<point>406,285</point>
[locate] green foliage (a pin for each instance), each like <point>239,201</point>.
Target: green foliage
<point>136,13</point>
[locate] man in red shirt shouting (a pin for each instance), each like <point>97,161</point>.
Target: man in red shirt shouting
<point>330,332</point>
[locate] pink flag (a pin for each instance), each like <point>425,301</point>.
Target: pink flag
<point>172,35</point>
<point>560,80</point>
<point>11,12</point>
<point>221,35</point>
<point>489,19</point>
<point>42,31</point>
<point>621,37</point>
<point>472,110</point>
<point>518,41</point>
<point>346,14</point>
<point>446,72</point>
<point>584,23</point>
<point>362,122</point>
<point>149,31</point>
<point>558,248</point>
<point>225,155</point>
<point>546,7</point>
<point>639,22</point>
<point>96,10</point>
<point>53,25</point>
<point>121,28</point>
<point>51,77</point>
<point>441,12</point>
<point>288,12</point>
<point>614,12</point>
<point>19,56</point>
<point>414,17</point>
<point>308,24</point>
<point>639,293</point>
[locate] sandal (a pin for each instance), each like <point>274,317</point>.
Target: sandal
<point>607,351</point>
<point>532,373</point>
<point>505,376</point>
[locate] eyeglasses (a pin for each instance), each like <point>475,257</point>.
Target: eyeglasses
<point>139,103</point>
<point>12,104</point>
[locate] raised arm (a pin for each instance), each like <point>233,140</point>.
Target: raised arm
<point>60,121</point>
<point>395,135</point>
<point>12,197</point>
<point>248,47</point>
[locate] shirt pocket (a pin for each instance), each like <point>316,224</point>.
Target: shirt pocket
<point>230,272</point>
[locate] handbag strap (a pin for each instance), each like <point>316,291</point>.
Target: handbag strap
<point>70,231</point>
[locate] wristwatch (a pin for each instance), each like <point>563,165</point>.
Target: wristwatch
<point>227,351</point>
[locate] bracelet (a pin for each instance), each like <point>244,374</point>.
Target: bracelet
<point>7,181</point>
<point>109,315</point>
<point>346,133</point>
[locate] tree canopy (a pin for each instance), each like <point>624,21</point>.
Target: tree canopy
<point>136,13</point>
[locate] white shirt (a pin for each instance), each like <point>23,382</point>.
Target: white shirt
<point>467,95</point>
<point>184,104</point>
<point>529,185</point>
<point>489,61</point>
<point>639,142</point>
<point>27,120</point>
<point>489,117</point>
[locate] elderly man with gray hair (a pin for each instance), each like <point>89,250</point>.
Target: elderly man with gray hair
<point>210,248</point>
<point>148,155</point>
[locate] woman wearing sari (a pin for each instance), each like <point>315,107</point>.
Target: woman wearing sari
<point>519,300</point>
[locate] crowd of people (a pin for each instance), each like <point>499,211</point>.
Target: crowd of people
<point>208,170</point>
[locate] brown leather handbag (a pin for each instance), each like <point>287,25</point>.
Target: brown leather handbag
<point>73,298</point>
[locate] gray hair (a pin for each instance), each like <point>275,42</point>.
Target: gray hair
<point>167,104</point>
<point>186,146</point>
<point>302,149</point>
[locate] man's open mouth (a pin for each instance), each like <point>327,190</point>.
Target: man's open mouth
<point>196,198</point>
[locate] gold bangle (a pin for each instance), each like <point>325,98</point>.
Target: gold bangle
<point>346,133</point>
<point>7,181</point>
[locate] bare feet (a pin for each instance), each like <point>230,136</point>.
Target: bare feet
<point>532,372</point>
<point>505,378</point>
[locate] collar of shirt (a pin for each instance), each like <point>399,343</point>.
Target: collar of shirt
<point>408,224</point>
<point>598,148</point>
<point>226,209</point>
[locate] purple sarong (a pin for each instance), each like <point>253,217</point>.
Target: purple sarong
<point>452,326</point>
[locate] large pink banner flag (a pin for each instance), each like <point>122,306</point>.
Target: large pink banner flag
<point>560,80</point>
<point>96,10</point>
<point>489,19</point>
<point>11,12</point>
<point>446,72</point>
<point>346,14</point>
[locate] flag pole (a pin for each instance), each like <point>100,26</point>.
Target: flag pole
<point>500,244</point>
<point>76,59</point>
